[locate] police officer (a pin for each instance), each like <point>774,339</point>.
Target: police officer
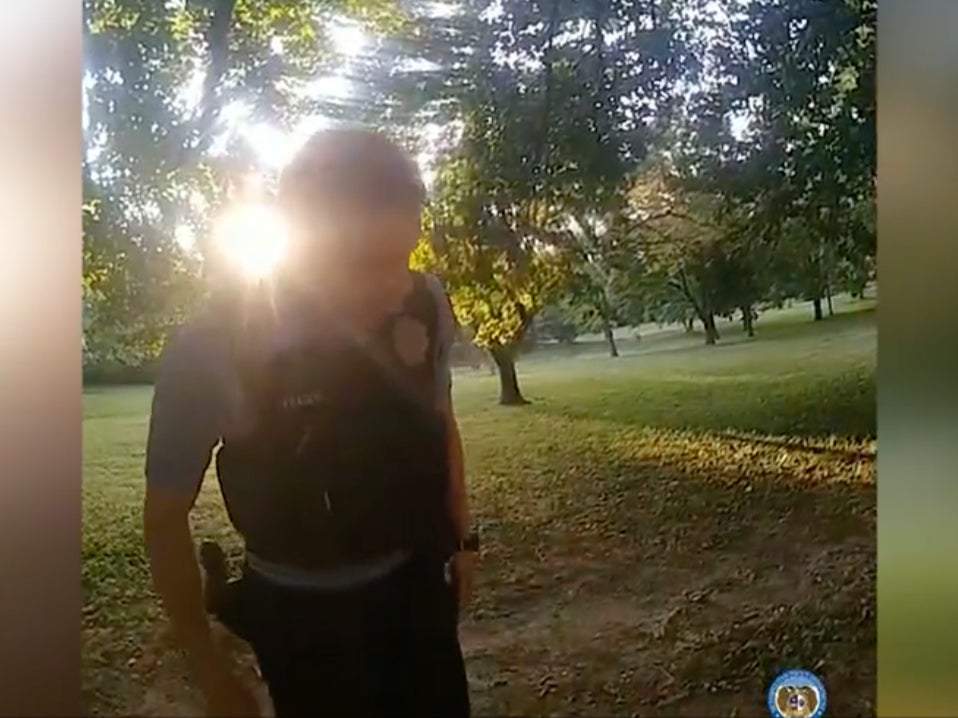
<point>325,395</point>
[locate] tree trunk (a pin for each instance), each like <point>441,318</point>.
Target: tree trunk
<point>689,325</point>
<point>817,303</point>
<point>711,331</point>
<point>828,298</point>
<point>605,314</point>
<point>610,338</point>
<point>708,317</point>
<point>509,394</point>
<point>747,318</point>
<point>702,309</point>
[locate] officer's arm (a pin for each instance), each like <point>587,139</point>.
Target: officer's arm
<point>458,498</point>
<point>183,432</point>
<point>176,574</point>
<point>448,331</point>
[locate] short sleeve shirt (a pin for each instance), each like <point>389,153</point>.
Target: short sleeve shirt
<point>197,398</point>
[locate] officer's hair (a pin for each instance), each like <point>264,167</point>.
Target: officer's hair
<point>330,153</point>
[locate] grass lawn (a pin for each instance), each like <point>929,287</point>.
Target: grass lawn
<point>663,532</point>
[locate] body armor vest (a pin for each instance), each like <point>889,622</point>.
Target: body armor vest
<point>347,460</point>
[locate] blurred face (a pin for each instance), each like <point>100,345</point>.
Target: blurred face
<point>362,223</point>
<point>362,235</point>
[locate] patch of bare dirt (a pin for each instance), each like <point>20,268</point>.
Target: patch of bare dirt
<point>688,648</point>
<point>635,653</point>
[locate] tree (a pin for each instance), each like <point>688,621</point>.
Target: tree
<point>558,101</point>
<point>161,82</point>
<point>625,64</point>
<point>802,76</point>
<point>679,247</point>
<point>498,276</point>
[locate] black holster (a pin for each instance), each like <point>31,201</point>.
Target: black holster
<point>223,597</point>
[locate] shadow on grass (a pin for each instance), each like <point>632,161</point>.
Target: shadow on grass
<point>671,339</point>
<point>859,318</point>
<point>798,405</point>
<point>612,516</point>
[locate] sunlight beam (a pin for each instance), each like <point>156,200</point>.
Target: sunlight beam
<point>253,239</point>
<point>348,37</point>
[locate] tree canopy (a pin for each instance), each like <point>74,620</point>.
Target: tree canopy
<point>601,163</point>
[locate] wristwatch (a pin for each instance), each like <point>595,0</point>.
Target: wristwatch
<point>470,543</point>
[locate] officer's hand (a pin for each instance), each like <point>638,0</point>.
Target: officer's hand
<point>463,575</point>
<point>225,692</point>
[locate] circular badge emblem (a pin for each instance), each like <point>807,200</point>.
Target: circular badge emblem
<point>796,694</point>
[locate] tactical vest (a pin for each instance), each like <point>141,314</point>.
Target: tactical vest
<point>347,459</point>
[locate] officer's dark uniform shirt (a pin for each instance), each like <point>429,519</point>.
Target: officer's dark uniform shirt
<point>197,401</point>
